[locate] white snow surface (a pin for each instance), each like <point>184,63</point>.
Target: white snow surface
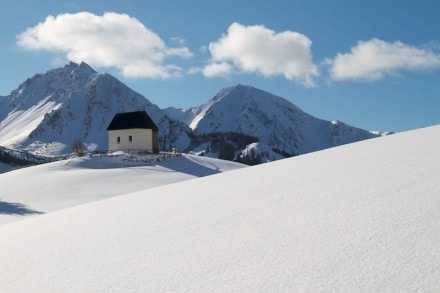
<point>363,217</point>
<point>45,188</point>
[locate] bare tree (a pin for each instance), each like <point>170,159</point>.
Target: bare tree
<point>79,148</point>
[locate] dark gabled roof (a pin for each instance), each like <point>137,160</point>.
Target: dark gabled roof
<point>130,120</point>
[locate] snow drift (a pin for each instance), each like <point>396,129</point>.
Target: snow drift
<point>49,187</point>
<point>362,217</point>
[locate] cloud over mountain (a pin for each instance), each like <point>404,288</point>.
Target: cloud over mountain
<point>261,50</point>
<point>111,40</point>
<point>217,69</point>
<point>373,59</point>
<point>123,42</point>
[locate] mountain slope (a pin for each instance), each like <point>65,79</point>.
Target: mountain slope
<point>357,218</point>
<point>50,111</point>
<point>273,120</point>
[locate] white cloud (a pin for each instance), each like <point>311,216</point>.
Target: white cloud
<point>373,59</point>
<point>195,70</point>
<point>261,50</point>
<point>112,40</point>
<point>217,70</point>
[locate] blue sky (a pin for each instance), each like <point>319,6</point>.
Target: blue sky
<point>371,64</point>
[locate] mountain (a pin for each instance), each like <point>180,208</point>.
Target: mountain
<point>49,112</point>
<point>272,120</point>
<point>362,217</point>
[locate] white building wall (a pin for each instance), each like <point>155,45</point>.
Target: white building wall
<point>142,139</point>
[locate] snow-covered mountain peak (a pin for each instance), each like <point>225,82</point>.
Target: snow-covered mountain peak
<point>239,103</point>
<point>274,120</point>
<point>86,68</point>
<point>244,93</point>
<point>240,95</point>
<point>55,83</point>
<point>49,111</point>
<point>234,92</point>
<point>73,68</point>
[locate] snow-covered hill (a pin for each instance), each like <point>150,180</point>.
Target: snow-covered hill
<point>273,120</point>
<point>49,187</point>
<point>49,112</point>
<point>363,217</point>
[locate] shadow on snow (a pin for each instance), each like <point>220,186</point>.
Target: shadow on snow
<point>12,208</point>
<point>183,164</point>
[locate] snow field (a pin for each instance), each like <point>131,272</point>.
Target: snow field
<point>362,217</point>
<point>49,187</point>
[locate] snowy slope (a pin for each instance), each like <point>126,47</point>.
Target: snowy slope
<point>50,111</point>
<point>273,120</point>
<point>53,186</point>
<point>362,217</point>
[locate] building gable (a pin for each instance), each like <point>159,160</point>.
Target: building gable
<point>132,120</point>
